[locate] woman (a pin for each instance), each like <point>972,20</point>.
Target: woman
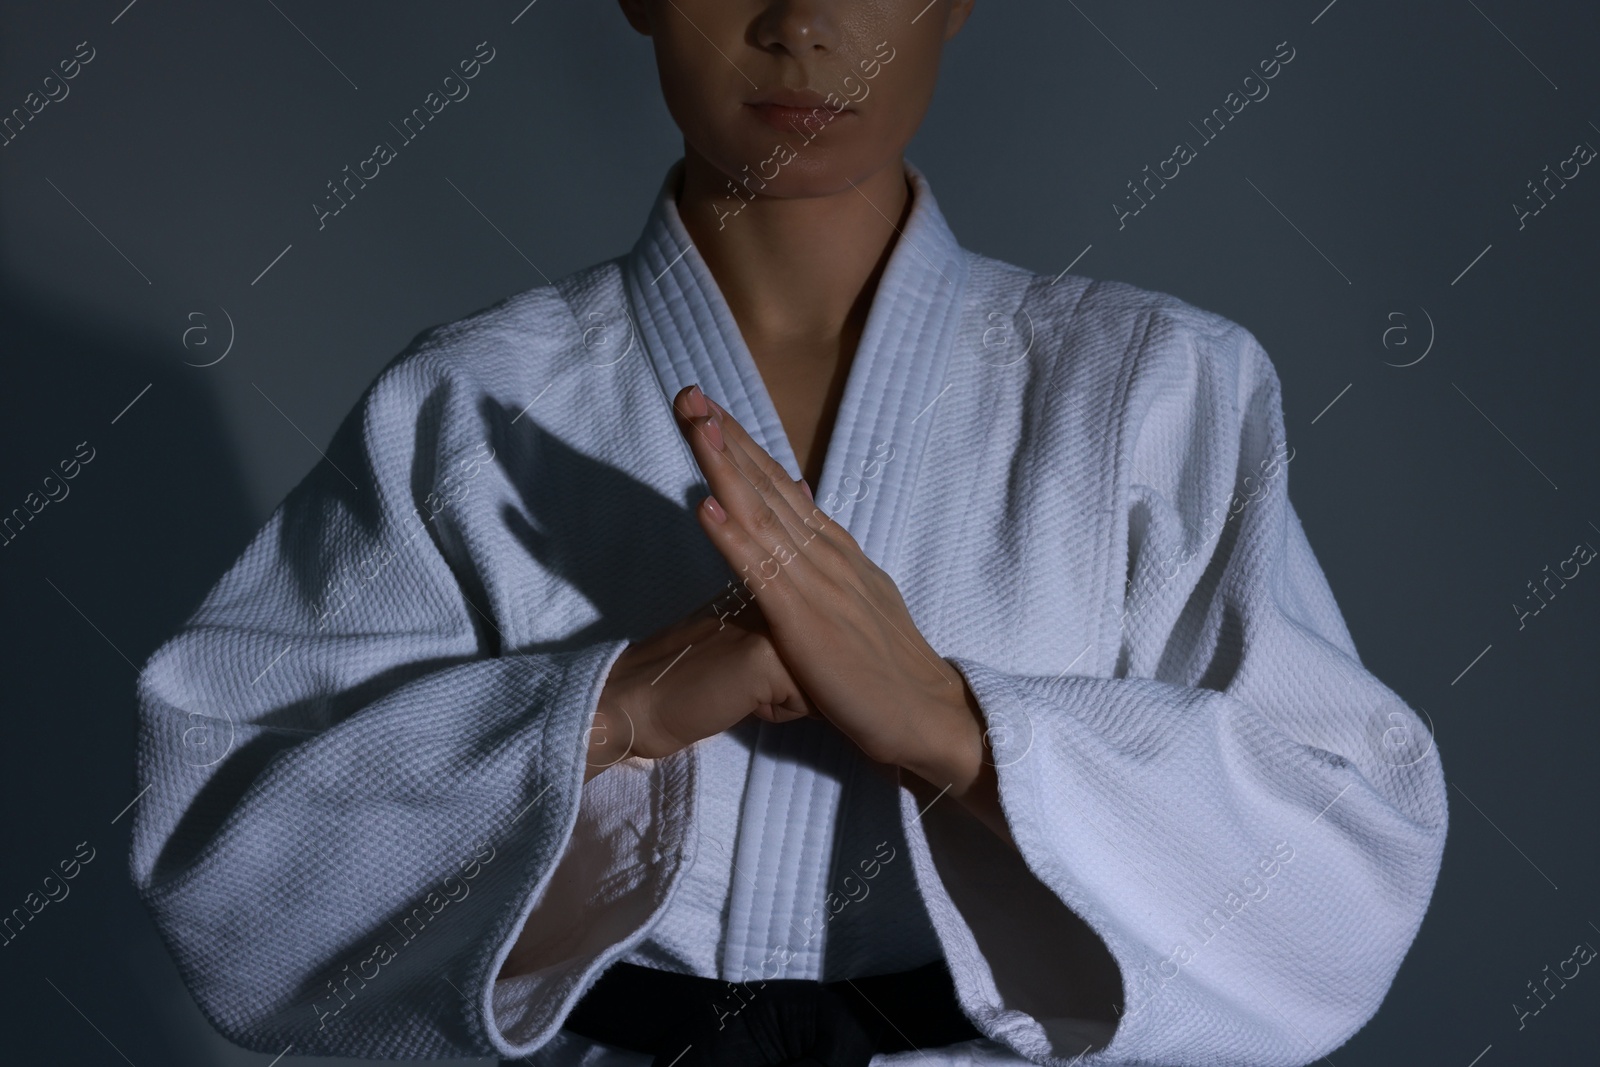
<point>1035,732</point>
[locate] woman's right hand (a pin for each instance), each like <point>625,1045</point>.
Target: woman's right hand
<point>730,670</point>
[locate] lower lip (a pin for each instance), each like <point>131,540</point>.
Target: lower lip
<point>796,119</point>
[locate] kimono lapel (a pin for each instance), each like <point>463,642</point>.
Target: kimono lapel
<point>788,821</point>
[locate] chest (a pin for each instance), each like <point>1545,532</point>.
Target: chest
<point>806,382</point>
<point>1013,547</point>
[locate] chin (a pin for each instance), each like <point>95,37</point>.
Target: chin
<point>793,168</point>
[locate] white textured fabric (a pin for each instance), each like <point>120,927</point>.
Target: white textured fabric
<point>766,898</point>
<point>373,730</point>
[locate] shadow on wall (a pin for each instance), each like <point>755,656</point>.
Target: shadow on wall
<point>109,565</point>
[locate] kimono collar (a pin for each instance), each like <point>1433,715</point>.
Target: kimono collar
<point>874,451</point>
<point>898,371</point>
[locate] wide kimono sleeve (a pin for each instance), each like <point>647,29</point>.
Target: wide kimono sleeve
<point>362,760</point>
<point>1249,821</point>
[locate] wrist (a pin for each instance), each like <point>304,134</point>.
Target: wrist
<point>621,724</point>
<point>961,765</point>
<point>610,740</point>
<point>952,752</point>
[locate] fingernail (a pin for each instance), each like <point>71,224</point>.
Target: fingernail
<point>697,400</point>
<point>807,487</point>
<point>715,509</point>
<point>714,434</point>
<point>716,407</point>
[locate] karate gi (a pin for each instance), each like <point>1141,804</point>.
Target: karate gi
<point>366,748</point>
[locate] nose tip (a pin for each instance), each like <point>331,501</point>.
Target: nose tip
<point>798,27</point>
<point>806,34</point>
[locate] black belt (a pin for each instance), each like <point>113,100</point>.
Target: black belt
<point>688,1021</point>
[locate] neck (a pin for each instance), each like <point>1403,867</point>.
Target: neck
<point>799,269</point>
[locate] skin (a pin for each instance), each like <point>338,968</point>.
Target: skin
<point>819,630</point>
<point>798,265</point>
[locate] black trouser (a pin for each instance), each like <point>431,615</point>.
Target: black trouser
<point>688,1021</point>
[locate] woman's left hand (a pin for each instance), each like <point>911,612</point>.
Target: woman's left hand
<point>837,619</point>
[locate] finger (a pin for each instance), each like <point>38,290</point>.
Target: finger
<point>818,523</point>
<point>768,567</point>
<point>690,402</point>
<point>788,501</point>
<point>780,714</point>
<point>745,448</point>
<point>773,488</point>
<point>694,412</point>
<point>780,498</point>
<point>746,515</point>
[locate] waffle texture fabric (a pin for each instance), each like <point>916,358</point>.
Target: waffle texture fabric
<point>365,750</point>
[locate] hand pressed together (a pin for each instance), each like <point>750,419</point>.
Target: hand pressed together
<point>836,618</point>
<point>813,628</point>
<point>689,681</point>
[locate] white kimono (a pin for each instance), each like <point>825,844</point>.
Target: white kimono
<point>366,749</point>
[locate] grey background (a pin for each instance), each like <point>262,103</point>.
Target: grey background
<point>1384,162</point>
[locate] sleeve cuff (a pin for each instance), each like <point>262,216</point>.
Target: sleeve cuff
<point>628,842</point>
<point>1028,969</point>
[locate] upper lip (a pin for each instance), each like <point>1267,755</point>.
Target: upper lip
<point>804,98</point>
